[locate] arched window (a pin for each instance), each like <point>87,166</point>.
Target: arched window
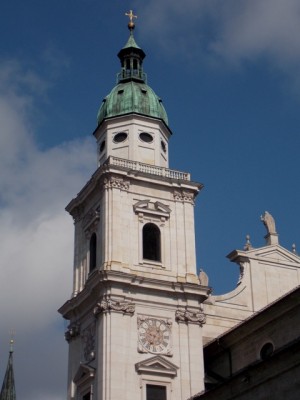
<point>151,242</point>
<point>93,252</point>
<point>266,351</point>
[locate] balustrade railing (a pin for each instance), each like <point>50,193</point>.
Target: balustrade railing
<point>147,168</point>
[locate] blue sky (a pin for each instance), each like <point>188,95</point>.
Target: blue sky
<point>228,74</point>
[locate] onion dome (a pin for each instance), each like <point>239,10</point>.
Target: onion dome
<point>132,94</point>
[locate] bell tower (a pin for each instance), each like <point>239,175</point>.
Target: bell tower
<point>135,315</point>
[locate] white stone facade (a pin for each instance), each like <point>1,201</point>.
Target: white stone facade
<point>135,321</point>
<point>266,274</point>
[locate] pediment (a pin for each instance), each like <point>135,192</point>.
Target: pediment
<point>84,373</point>
<point>272,253</point>
<point>157,365</point>
<point>278,254</point>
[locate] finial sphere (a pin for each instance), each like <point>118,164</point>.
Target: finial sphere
<point>131,25</point>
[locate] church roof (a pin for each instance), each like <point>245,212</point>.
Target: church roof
<point>132,94</point>
<point>8,391</point>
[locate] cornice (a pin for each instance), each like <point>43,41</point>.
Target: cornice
<point>100,281</point>
<point>187,189</point>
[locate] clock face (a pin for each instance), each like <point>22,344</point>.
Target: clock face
<point>154,335</point>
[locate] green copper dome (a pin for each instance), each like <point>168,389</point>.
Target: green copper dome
<point>132,94</point>
<point>132,97</point>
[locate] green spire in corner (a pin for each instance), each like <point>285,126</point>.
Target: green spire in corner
<point>8,391</point>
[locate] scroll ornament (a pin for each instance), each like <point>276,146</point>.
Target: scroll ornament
<point>107,305</point>
<point>188,316</point>
<point>72,332</point>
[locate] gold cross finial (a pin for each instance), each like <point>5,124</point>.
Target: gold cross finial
<point>130,15</point>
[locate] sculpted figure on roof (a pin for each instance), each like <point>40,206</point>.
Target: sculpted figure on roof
<point>269,222</point>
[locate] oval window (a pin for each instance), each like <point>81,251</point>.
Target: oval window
<point>146,137</point>
<point>120,137</point>
<point>163,146</point>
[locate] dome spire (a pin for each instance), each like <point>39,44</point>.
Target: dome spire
<point>131,56</point>
<point>132,93</point>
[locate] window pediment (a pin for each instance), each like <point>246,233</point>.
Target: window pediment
<point>157,365</point>
<point>155,208</point>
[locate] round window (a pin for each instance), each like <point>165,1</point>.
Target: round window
<point>102,146</point>
<point>120,137</point>
<point>163,146</point>
<point>146,137</point>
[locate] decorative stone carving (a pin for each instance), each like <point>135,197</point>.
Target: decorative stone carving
<point>90,216</point>
<point>242,273</point>
<point>108,305</point>
<point>116,182</point>
<point>90,221</point>
<point>188,316</point>
<point>88,341</point>
<point>154,335</point>
<point>77,213</point>
<point>184,196</point>
<point>72,332</point>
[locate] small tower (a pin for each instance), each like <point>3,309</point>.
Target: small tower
<point>135,315</point>
<point>8,391</point>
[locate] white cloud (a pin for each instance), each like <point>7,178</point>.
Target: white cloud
<point>260,28</point>
<point>36,234</point>
<point>230,31</point>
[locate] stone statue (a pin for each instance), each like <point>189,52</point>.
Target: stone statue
<point>269,223</point>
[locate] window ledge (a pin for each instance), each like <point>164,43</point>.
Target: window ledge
<point>155,264</point>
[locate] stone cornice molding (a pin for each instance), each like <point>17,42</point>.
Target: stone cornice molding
<point>131,281</point>
<point>123,170</point>
<point>107,305</point>
<point>190,316</point>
